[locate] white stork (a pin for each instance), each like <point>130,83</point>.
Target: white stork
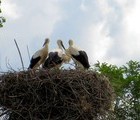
<point>39,57</point>
<point>57,57</point>
<point>79,56</point>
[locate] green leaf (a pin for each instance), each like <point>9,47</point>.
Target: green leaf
<point>1,25</point>
<point>3,20</point>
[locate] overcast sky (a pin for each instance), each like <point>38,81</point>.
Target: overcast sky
<point>108,30</point>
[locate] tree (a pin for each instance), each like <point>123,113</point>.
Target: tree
<point>2,19</point>
<point>126,83</point>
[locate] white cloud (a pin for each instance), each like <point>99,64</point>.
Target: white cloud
<point>97,43</point>
<point>10,10</point>
<point>126,3</point>
<point>37,22</point>
<point>126,43</point>
<point>53,12</point>
<point>83,6</point>
<point>115,38</point>
<point>132,20</point>
<point>132,31</point>
<point>104,7</point>
<point>108,29</point>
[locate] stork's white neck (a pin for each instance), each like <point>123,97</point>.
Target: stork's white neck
<point>46,47</point>
<point>71,42</point>
<point>60,47</point>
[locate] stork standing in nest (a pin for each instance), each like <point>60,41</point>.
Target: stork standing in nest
<point>57,57</point>
<point>79,56</point>
<point>39,57</point>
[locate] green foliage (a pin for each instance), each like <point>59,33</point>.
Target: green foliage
<point>2,19</point>
<point>126,83</point>
<point>114,73</point>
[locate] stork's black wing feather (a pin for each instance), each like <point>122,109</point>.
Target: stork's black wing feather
<point>34,61</point>
<point>52,60</point>
<point>82,58</point>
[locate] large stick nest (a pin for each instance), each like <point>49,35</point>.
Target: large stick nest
<point>55,95</point>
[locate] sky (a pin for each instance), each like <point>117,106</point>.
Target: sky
<point>108,30</point>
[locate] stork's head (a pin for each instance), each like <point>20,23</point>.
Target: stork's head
<point>60,44</point>
<point>71,42</point>
<point>46,41</point>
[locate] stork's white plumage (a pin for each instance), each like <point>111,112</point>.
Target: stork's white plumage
<point>56,57</point>
<point>79,56</point>
<point>39,57</point>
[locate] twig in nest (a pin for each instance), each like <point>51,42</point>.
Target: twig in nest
<point>19,54</point>
<point>28,52</point>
